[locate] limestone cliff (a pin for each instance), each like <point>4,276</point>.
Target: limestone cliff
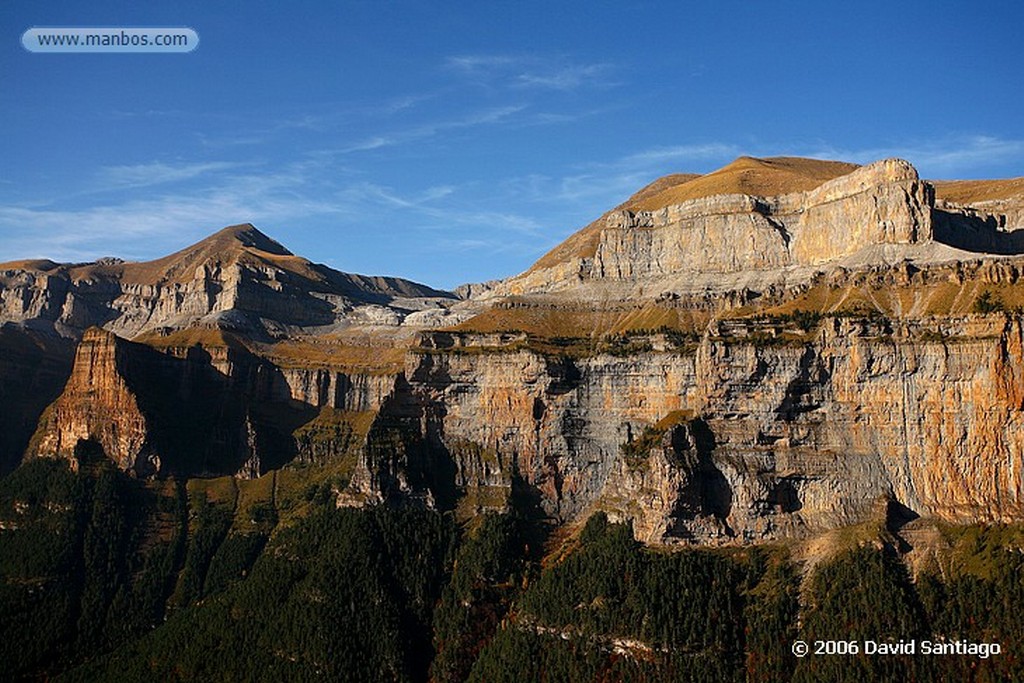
<point>884,203</point>
<point>198,410</point>
<point>797,351</point>
<point>743,437</point>
<point>838,214</point>
<point>99,406</point>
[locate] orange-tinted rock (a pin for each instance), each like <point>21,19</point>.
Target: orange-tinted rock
<point>98,406</point>
<point>778,439</point>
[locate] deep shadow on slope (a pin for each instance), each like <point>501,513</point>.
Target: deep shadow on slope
<point>33,369</point>
<point>984,234</point>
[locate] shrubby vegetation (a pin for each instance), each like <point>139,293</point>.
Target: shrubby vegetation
<point>342,595</point>
<point>103,577</point>
<point>800,318</point>
<point>488,571</point>
<point>988,302</point>
<point>79,572</point>
<point>613,610</point>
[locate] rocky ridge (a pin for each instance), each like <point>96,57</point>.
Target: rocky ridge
<point>860,352</point>
<point>722,242</point>
<point>237,279</point>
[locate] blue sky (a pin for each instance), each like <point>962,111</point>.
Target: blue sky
<point>455,142</point>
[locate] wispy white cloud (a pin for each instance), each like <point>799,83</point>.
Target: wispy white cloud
<point>532,71</point>
<point>404,102</point>
<point>375,142</point>
<point>431,215</point>
<point>615,180</point>
<point>568,77</point>
<point>156,173</point>
<point>678,154</point>
<point>152,224</point>
<point>222,141</point>
<point>148,226</point>
<point>372,193</point>
<point>950,154</point>
<point>947,157</point>
<point>145,113</point>
<point>171,202</point>
<point>484,247</point>
<point>500,222</point>
<point>546,118</point>
<point>493,116</point>
<point>477,63</point>
<point>239,131</point>
<point>328,121</point>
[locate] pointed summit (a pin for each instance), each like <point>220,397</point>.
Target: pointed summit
<point>235,244</point>
<point>237,279</point>
<point>244,235</point>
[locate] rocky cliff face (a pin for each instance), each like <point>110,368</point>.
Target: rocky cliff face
<point>748,435</point>
<point>693,241</point>
<point>750,408</point>
<point>238,280</point>
<point>744,437</point>
<point>100,407</point>
<point>883,203</point>
<point>198,411</point>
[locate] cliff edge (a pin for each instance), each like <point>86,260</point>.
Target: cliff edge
<point>768,217</point>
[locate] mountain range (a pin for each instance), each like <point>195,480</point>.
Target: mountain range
<point>777,348</point>
<point>781,402</point>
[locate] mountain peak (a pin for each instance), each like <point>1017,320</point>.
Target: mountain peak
<point>237,279</point>
<point>233,244</point>
<point>245,235</point>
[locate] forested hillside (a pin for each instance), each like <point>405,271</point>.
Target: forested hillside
<point>105,577</point>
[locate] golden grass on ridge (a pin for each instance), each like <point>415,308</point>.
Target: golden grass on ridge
<point>335,354</point>
<point>747,175</point>
<point>971,191</point>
